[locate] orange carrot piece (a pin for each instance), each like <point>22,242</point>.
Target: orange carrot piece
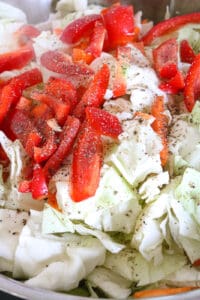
<point>52,201</point>
<point>160,126</point>
<point>142,115</point>
<point>79,55</point>
<point>162,292</point>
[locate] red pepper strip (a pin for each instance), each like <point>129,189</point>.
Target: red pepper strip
<point>170,25</point>
<point>12,92</point>
<point>119,22</point>
<point>4,160</point>
<point>86,164</point>
<point>24,186</point>
<point>43,153</point>
<point>94,95</point>
<point>40,113</point>
<point>25,34</point>
<point>23,128</point>
<point>16,59</point>
<point>196,263</point>
<point>67,139</point>
<point>97,40</point>
<point>192,84</point>
<point>168,71</point>
<point>38,184</point>
<point>160,126</point>
<point>165,54</point>
<point>103,122</point>
<point>24,104</point>
<point>62,89</point>
<point>186,52</point>
<point>174,85</point>
<point>79,28</point>
<point>59,62</point>
<point>60,108</point>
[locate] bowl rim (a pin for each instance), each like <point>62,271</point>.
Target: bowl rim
<point>23,291</point>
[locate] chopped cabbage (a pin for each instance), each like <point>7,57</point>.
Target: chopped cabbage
<point>138,154</point>
<point>112,284</point>
<point>40,256</point>
<point>11,224</point>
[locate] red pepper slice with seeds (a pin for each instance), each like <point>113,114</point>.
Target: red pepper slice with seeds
<point>86,164</point>
<point>103,122</point>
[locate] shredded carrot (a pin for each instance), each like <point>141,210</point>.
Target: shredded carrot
<point>160,126</point>
<point>162,292</point>
<point>79,55</point>
<point>142,115</point>
<point>52,201</point>
<point>58,31</point>
<point>136,34</point>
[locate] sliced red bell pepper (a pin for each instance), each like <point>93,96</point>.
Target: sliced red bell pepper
<point>23,128</point>
<point>79,28</point>
<point>86,164</point>
<point>42,153</point>
<point>38,184</point>
<point>94,95</point>
<point>25,34</point>
<point>60,108</point>
<point>103,122</point>
<point>58,62</point>
<point>170,25</point>
<point>165,54</point>
<point>16,59</point>
<point>119,22</point>
<point>62,89</point>
<point>95,46</point>
<point>67,138</point>
<point>24,104</point>
<point>12,92</point>
<point>24,186</point>
<point>4,160</point>
<point>175,85</point>
<point>192,84</point>
<point>40,113</point>
<point>186,52</point>
<point>196,263</point>
<point>168,71</point>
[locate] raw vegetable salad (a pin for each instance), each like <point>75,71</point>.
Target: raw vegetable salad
<point>100,151</point>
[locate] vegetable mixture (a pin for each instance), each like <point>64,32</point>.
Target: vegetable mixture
<point>100,151</point>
